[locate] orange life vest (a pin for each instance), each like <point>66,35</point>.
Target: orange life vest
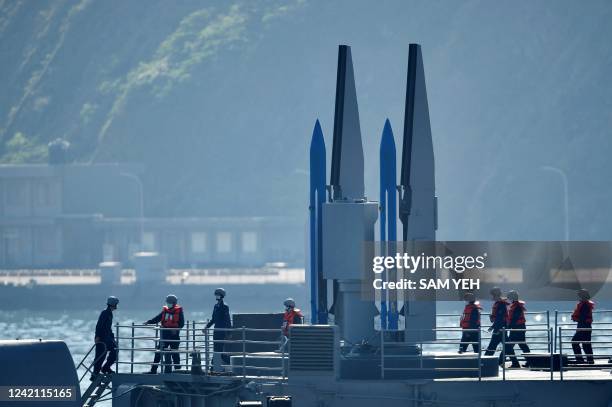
<point>494,309</point>
<point>170,316</point>
<point>467,315</point>
<point>289,319</point>
<point>578,310</point>
<point>521,319</point>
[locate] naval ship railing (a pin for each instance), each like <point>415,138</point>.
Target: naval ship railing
<point>538,324</point>
<point>386,345</point>
<point>505,341</point>
<point>548,336</point>
<point>446,336</point>
<point>545,319</point>
<point>563,319</point>
<point>600,343</point>
<point>137,344</point>
<point>89,367</point>
<point>196,348</point>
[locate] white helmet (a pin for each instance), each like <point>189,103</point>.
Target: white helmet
<point>289,302</point>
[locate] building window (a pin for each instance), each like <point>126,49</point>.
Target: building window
<point>45,193</point>
<point>249,242</point>
<point>46,241</point>
<point>224,242</point>
<point>108,252</point>
<point>148,241</point>
<point>16,192</point>
<point>198,242</point>
<point>42,194</point>
<point>14,245</point>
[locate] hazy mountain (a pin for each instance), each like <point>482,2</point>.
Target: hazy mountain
<point>218,100</point>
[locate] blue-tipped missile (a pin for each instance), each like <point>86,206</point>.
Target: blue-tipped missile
<point>388,217</point>
<point>318,285</point>
<point>348,218</point>
<point>418,202</point>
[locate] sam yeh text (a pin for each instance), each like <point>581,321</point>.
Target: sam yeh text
<point>428,284</point>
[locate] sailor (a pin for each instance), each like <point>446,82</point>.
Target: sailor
<point>222,321</point>
<point>470,324</point>
<point>106,347</point>
<point>583,315</point>
<point>498,315</point>
<point>171,319</point>
<point>516,320</point>
<point>292,316</point>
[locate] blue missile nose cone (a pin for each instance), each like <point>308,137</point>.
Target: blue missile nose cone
<point>317,132</point>
<point>387,141</point>
<point>317,142</point>
<point>387,128</point>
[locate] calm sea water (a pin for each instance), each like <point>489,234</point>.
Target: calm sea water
<point>76,327</point>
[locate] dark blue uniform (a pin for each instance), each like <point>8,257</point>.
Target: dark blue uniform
<point>583,315</point>
<point>105,342</point>
<point>220,319</point>
<point>498,318</point>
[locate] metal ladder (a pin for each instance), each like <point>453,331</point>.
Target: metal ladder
<point>99,384</point>
<point>95,390</point>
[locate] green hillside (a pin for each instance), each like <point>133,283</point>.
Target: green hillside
<point>218,100</point>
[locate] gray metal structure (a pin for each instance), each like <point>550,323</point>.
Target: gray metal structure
<point>348,219</point>
<point>347,153</point>
<point>418,202</point>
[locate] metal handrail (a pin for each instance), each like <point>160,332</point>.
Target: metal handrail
<point>420,355</point>
<point>529,332</point>
<point>505,342</point>
<point>557,324</point>
<point>385,356</point>
<point>88,368</point>
<point>198,340</point>
<point>85,357</point>
<point>553,341</point>
<point>593,355</point>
